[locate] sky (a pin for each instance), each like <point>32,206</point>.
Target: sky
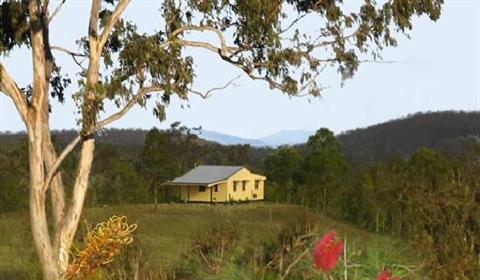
<point>437,69</point>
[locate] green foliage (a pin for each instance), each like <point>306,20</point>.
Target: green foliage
<point>158,160</point>
<point>431,199</point>
<point>282,169</point>
<point>441,212</point>
<point>13,176</point>
<point>324,160</point>
<point>283,164</point>
<point>115,180</point>
<point>323,168</point>
<point>312,179</point>
<point>14,30</point>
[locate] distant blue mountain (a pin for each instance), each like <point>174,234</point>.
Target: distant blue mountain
<point>284,137</point>
<point>227,139</point>
<point>287,137</point>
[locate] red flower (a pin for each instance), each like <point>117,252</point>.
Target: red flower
<point>385,275</point>
<point>327,251</point>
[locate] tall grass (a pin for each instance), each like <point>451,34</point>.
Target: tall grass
<point>248,241</point>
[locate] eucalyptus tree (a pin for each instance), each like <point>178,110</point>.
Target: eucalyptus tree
<point>118,63</point>
<point>159,160</point>
<point>282,168</point>
<point>324,165</point>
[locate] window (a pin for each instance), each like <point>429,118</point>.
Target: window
<point>234,186</point>
<point>244,185</point>
<point>215,188</point>
<point>257,184</point>
<point>201,188</point>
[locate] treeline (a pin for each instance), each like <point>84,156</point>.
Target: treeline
<point>430,198</point>
<point>122,173</point>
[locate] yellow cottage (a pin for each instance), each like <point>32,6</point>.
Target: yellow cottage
<point>217,183</point>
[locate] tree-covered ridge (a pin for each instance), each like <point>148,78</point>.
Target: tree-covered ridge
<point>447,131</point>
<point>436,130</point>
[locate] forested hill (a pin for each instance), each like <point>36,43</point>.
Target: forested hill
<point>114,136</point>
<point>447,131</point>
<point>121,137</point>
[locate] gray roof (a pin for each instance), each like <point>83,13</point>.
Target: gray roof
<point>207,174</point>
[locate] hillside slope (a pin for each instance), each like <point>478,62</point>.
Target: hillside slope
<point>437,130</point>
<point>165,236</point>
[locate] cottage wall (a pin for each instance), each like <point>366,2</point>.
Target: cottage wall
<point>193,193</point>
<point>249,193</point>
<point>221,195</point>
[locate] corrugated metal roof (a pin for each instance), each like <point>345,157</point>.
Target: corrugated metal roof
<point>207,174</point>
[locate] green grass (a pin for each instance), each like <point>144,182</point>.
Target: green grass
<point>169,232</point>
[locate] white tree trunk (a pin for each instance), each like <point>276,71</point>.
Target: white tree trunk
<point>72,217</point>
<point>53,247</point>
<point>70,223</point>
<point>38,215</point>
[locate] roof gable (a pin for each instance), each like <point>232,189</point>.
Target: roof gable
<point>207,174</point>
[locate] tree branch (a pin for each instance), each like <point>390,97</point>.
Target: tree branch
<point>208,93</point>
<point>293,23</point>
<point>197,44</point>
<point>117,12</point>
<point>56,11</point>
<point>247,70</point>
<point>67,51</point>
<point>11,89</point>
<point>55,166</point>
<point>74,55</point>
<point>219,34</point>
<point>71,146</point>
<point>141,93</point>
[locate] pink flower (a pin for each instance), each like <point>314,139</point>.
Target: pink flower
<point>385,275</point>
<point>327,251</point>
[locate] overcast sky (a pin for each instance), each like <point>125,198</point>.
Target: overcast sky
<point>438,69</point>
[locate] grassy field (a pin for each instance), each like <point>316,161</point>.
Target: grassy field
<point>166,234</point>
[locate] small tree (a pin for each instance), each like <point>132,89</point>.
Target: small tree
<point>281,169</point>
<point>258,37</point>
<point>324,165</point>
<point>158,161</point>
